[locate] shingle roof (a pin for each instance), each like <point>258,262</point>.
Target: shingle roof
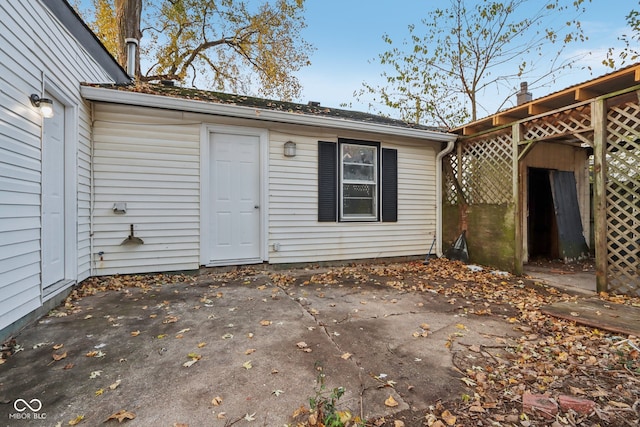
<point>311,109</point>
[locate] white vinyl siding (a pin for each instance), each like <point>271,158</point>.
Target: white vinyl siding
<point>34,44</point>
<point>150,160</point>
<point>293,206</point>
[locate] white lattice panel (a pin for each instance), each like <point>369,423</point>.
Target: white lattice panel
<point>623,198</point>
<point>567,122</point>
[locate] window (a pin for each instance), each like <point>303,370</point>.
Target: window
<point>357,181</point>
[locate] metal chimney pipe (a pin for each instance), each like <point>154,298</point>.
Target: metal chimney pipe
<point>132,46</point>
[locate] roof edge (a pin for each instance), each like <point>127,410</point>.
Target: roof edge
<point>557,101</point>
<point>92,93</point>
<point>79,29</point>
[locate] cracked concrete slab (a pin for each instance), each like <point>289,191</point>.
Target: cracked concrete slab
<point>246,338</point>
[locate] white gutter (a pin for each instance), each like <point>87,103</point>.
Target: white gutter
<point>170,103</point>
<point>439,157</point>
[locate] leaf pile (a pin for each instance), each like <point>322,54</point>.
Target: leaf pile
<point>552,356</point>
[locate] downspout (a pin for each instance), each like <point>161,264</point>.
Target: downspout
<point>448,149</point>
<point>91,191</point>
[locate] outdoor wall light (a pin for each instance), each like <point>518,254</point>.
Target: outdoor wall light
<point>44,104</point>
<point>289,149</point>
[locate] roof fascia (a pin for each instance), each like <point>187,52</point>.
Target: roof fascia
<point>585,91</point>
<point>195,106</point>
<point>62,10</point>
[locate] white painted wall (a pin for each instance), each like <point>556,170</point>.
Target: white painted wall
<point>37,52</point>
<point>293,195</point>
<point>150,160</point>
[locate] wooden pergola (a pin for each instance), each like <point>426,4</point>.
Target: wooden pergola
<point>592,132</point>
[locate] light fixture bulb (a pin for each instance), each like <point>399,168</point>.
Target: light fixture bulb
<point>46,108</point>
<point>45,105</point>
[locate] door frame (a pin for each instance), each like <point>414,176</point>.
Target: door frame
<point>205,162</point>
<point>70,177</point>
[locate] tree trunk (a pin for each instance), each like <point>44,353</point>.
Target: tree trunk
<point>128,14</point>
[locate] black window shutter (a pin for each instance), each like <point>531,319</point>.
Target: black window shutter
<point>327,181</point>
<point>389,185</point>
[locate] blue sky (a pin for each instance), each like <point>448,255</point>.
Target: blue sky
<point>348,34</point>
<point>348,38</point>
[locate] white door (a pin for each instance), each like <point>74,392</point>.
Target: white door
<point>53,231</point>
<point>235,199</point>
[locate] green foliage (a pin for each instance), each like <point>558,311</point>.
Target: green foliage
<point>324,404</point>
<point>469,48</point>
<point>234,46</point>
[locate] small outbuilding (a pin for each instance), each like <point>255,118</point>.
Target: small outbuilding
<point>554,177</point>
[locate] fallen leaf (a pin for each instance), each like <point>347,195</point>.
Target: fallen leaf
<point>121,415</point>
<point>57,357</point>
<point>345,356</point>
<point>468,381</point>
<point>391,402</point>
<point>250,417</point>
<point>398,423</point>
<point>58,346</point>
<point>302,344</point>
<point>194,356</point>
<point>277,392</point>
<point>576,390</point>
<point>135,333</point>
<point>189,363</point>
<point>448,418</point>
<point>247,365</point>
<point>95,374</point>
<point>265,322</point>
<point>201,344</point>
<point>99,392</point>
<point>618,404</point>
<point>115,385</point>
<point>68,366</point>
<point>250,351</point>
<point>227,336</point>
<point>313,419</point>
<point>221,415</point>
<point>170,319</point>
<point>217,401</point>
<point>76,420</point>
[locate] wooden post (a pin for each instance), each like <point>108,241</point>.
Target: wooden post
<point>599,121</point>
<point>516,136</point>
